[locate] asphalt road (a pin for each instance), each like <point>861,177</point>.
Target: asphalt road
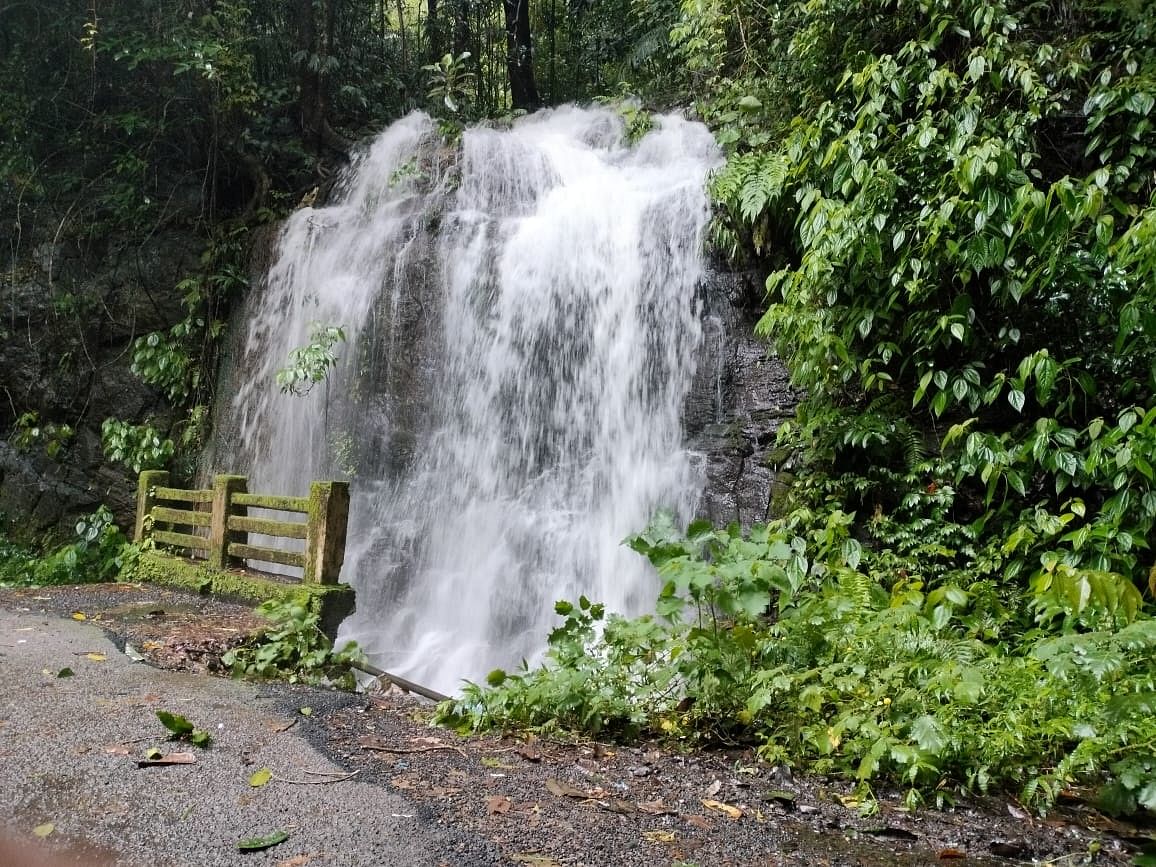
<point>68,758</point>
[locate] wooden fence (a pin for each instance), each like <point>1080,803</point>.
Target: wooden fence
<point>180,518</point>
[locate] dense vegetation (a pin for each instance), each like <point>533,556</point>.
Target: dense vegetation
<point>953,203</point>
<point>952,206</point>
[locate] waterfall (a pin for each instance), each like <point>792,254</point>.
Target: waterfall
<point>522,328</point>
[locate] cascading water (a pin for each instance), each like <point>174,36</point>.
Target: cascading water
<point>521,334</point>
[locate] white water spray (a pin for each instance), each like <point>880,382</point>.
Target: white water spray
<point>522,329</point>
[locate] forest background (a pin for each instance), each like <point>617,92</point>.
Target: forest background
<point>950,206</point>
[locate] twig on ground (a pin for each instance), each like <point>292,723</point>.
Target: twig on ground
<point>403,751</point>
<point>340,779</point>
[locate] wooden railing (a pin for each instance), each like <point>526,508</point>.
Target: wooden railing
<point>214,523</point>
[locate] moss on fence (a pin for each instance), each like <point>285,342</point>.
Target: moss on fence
<point>334,602</point>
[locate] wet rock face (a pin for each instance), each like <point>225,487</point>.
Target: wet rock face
<point>740,397</point>
<point>68,317</point>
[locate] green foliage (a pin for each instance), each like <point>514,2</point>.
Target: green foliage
<point>829,653</point>
<point>310,364</point>
<point>294,648</point>
<point>99,553</point>
<point>30,433</point>
<point>139,447</point>
<point>956,218</point>
<point>183,730</point>
<point>449,83</point>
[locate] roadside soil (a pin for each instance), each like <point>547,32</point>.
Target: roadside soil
<point>547,802</point>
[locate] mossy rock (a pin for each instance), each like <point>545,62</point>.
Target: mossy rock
<point>334,602</point>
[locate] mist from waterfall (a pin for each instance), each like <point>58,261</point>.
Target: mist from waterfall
<point>521,324</point>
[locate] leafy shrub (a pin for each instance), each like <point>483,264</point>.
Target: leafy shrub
<point>311,363</point>
<point>99,554</point>
<point>140,447</point>
<point>793,642</point>
<point>30,433</point>
<point>293,648</point>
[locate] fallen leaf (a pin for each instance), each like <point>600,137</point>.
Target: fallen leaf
<point>564,790</point>
<point>951,854</point>
<point>44,830</point>
<point>656,808</point>
<point>117,750</point>
<point>306,711</point>
<point>96,657</point>
<point>170,759</point>
<point>699,822</point>
<point>153,753</point>
<point>530,752</point>
<point>659,836</point>
<point>497,804</point>
<point>257,844</point>
<point>1018,813</point>
<point>175,723</point>
<point>260,778</point>
<point>623,807</point>
<point>65,672</point>
<point>713,788</point>
<point>296,861</point>
<point>719,806</point>
<point>79,615</point>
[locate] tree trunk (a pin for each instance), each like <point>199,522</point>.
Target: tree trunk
<point>519,57</point>
<point>434,36</point>
<point>316,133</point>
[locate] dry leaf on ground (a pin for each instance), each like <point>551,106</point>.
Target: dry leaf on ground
<point>170,759</point>
<point>720,807</point>
<point>564,790</point>
<point>497,805</point>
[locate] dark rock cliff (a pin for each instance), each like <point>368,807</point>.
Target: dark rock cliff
<point>68,316</point>
<point>740,397</point>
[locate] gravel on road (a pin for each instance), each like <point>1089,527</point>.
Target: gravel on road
<point>365,780</point>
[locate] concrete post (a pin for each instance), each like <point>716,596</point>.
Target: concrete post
<point>146,487</point>
<point>224,487</point>
<point>325,535</point>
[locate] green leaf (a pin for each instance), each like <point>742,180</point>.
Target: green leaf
<point>65,672</point>
<point>1016,398</point>
<point>44,830</point>
<point>257,844</point>
<point>260,778</point>
<point>175,723</point>
<point>200,738</point>
<point>1147,796</point>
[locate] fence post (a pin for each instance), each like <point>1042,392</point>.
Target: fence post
<point>224,487</point>
<point>325,534</point>
<point>146,487</point>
